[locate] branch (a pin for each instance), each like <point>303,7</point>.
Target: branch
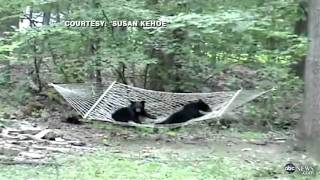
<point>121,73</point>
<point>32,21</point>
<point>109,22</point>
<point>9,17</point>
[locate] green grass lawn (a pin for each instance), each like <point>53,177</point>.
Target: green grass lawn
<point>105,165</point>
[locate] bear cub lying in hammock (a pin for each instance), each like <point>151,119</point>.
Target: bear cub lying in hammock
<point>133,112</point>
<point>188,112</point>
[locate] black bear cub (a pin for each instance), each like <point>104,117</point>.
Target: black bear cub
<point>189,111</point>
<point>133,112</point>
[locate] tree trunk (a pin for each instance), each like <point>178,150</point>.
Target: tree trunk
<point>32,23</point>
<point>46,18</point>
<point>58,12</point>
<point>309,127</point>
<point>94,47</point>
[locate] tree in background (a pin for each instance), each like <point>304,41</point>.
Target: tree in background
<point>310,124</point>
<point>207,46</point>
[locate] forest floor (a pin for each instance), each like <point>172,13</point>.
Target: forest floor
<point>46,148</point>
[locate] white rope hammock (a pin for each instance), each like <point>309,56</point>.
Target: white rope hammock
<point>98,102</point>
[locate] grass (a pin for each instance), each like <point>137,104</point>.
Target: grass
<point>251,135</point>
<point>103,166</point>
<point>108,166</point>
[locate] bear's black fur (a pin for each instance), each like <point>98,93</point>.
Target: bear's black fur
<point>132,113</point>
<point>189,111</point>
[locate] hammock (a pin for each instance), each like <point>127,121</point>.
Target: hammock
<point>98,102</point>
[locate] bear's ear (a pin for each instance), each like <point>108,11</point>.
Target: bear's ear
<point>200,101</point>
<point>132,102</point>
<point>143,102</point>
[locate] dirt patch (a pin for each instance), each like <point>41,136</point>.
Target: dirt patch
<point>38,140</point>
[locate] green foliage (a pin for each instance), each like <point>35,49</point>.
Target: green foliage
<point>202,40</point>
<point>280,108</point>
<point>14,95</point>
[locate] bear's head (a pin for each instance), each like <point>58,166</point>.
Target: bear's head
<point>137,106</point>
<point>203,106</point>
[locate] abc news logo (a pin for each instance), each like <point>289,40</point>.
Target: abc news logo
<point>302,169</point>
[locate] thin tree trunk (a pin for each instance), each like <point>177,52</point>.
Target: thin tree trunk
<point>36,62</point>
<point>145,79</point>
<point>98,71</point>
<point>31,16</point>
<point>95,48</point>
<point>46,18</point>
<point>97,61</point>
<point>58,12</point>
<point>133,74</point>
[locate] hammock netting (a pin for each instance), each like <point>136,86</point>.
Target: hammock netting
<point>98,102</point>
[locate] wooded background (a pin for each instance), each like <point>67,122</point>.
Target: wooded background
<point>208,46</point>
